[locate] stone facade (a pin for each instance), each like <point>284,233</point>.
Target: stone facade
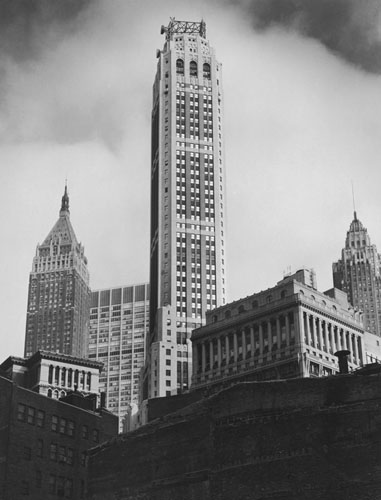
<point>315,438</point>
<point>290,330</point>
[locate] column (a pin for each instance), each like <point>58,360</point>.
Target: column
<point>203,359</point>
<point>235,347</point>
<point>260,332</point>
<point>278,333</point>
<point>356,353</point>
<point>287,325</point>
<point>339,344</point>
<point>219,352</point>
<point>326,335</point>
<point>299,326</point>
<point>195,359</point>
<point>333,342</point>
<point>211,356</point>
<point>320,332</point>
<point>314,335</point>
<point>243,333</point>
<point>307,328</point>
<point>252,340</point>
<point>227,349</point>
<point>269,336</point>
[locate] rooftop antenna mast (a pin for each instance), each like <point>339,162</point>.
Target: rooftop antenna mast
<point>353,198</point>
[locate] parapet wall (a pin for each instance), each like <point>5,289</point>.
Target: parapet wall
<point>305,438</point>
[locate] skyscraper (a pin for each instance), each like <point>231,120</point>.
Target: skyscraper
<point>58,299</point>
<point>119,320</point>
<point>187,266</point>
<point>358,273</point>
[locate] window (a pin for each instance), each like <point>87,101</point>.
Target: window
<point>180,67</point>
<point>21,412</point>
<point>85,432</point>
<point>40,418</point>
<point>206,70</point>
<point>68,488</point>
<point>31,415</point>
<point>62,454</point>
<point>54,426</point>
<point>95,435</point>
<point>193,68</point>
<point>40,448</point>
<point>52,483</point>
<point>53,451</point>
<point>71,428</point>
<point>63,424</point>
<point>70,456</point>
<point>83,458</point>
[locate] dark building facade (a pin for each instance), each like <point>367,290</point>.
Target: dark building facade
<point>187,260</point>
<point>59,294</point>
<point>315,438</point>
<point>358,274</point>
<point>44,443</point>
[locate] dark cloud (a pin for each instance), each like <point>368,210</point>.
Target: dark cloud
<point>349,28</point>
<point>23,24</point>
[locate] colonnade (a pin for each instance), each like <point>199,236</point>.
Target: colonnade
<point>67,377</point>
<point>251,341</point>
<point>323,334</point>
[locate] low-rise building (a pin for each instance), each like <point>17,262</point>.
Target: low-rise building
<point>54,374</point>
<point>290,330</point>
<point>44,442</point>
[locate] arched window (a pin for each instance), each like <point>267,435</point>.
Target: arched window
<point>63,376</point>
<point>269,298</point>
<point>180,67</point>
<point>206,70</point>
<point>283,294</point>
<point>76,374</point>
<point>49,393</point>
<point>255,304</point>
<point>241,309</point>
<point>57,376</point>
<point>55,394</point>
<point>193,68</point>
<point>62,394</point>
<point>50,379</point>
<point>82,379</point>
<point>215,318</point>
<point>228,314</point>
<point>88,381</point>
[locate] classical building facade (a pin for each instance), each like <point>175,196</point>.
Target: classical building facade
<point>59,294</point>
<point>358,273</point>
<point>290,330</point>
<point>119,322</point>
<point>54,375</point>
<point>187,261</point>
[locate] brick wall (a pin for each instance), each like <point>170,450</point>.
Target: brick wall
<point>308,438</point>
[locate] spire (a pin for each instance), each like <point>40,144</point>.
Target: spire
<point>65,203</point>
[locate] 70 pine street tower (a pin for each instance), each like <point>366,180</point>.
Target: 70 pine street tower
<point>187,266</point>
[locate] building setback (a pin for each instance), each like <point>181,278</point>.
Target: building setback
<point>290,330</point>
<point>119,322</point>
<point>187,262</point>
<point>59,294</point>
<point>358,273</point>
<point>44,443</point>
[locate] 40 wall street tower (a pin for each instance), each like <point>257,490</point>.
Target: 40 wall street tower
<point>187,255</point>
<point>59,295</point>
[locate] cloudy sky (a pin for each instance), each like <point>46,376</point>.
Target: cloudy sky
<point>302,121</point>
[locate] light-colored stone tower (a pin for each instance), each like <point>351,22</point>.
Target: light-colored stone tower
<point>59,295</point>
<point>188,269</point>
<point>358,273</point>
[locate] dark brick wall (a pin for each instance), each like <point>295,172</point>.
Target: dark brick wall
<point>308,438</point>
<point>20,463</point>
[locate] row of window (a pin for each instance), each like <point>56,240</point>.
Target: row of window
<point>193,68</point>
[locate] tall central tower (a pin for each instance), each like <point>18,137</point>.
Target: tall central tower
<point>187,267</point>
<point>59,295</point>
